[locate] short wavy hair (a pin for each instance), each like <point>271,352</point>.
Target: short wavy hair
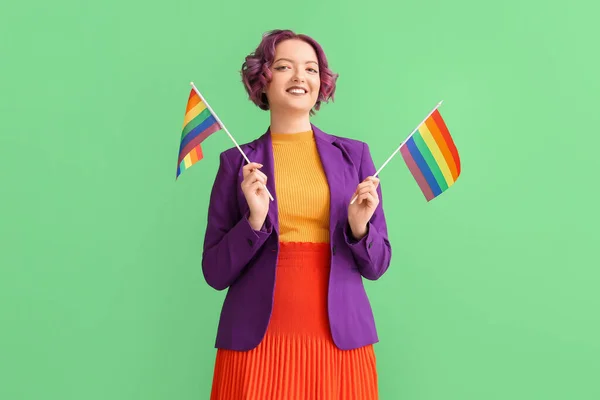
<point>256,73</point>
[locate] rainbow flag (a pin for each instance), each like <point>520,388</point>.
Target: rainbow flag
<point>198,124</point>
<point>431,156</point>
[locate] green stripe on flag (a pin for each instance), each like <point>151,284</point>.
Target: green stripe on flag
<point>433,165</point>
<point>198,119</point>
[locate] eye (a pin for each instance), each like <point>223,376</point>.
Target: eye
<point>281,67</point>
<point>313,70</point>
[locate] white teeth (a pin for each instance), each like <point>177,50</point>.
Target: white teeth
<point>297,91</point>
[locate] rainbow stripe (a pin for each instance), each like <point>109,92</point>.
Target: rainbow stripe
<point>431,156</point>
<point>198,124</point>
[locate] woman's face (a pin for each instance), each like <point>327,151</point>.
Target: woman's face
<point>295,81</point>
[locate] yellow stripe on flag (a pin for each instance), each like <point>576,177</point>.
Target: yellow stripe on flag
<point>437,154</point>
<point>193,113</point>
<point>187,160</point>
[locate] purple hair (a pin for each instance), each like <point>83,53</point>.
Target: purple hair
<point>256,73</point>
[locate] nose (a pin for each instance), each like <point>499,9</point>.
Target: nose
<point>298,77</point>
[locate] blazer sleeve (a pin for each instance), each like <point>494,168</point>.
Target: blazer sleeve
<point>373,252</point>
<point>230,241</point>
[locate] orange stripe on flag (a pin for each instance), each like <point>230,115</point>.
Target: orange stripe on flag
<point>442,145</point>
<point>447,138</point>
<point>192,100</point>
<point>194,155</point>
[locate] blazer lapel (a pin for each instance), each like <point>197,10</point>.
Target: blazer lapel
<point>334,164</point>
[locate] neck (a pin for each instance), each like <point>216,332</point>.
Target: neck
<point>286,122</point>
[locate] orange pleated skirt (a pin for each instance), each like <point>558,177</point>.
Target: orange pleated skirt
<point>297,359</point>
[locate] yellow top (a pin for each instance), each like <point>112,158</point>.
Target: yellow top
<point>302,188</point>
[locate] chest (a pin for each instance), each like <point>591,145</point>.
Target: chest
<point>301,184</point>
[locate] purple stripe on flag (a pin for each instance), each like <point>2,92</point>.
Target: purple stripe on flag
<point>198,139</point>
<point>416,173</point>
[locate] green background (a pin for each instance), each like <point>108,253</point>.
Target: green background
<point>493,288</point>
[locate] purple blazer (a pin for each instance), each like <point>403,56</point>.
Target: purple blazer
<point>237,257</point>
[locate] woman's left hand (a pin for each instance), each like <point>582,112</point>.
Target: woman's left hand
<point>360,213</point>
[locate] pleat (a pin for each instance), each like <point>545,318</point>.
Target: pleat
<point>297,359</point>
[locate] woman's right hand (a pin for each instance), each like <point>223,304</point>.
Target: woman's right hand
<point>256,196</point>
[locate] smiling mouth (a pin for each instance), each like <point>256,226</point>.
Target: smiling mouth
<point>297,91</point>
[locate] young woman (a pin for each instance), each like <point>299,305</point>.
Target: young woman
<point>296,322</point>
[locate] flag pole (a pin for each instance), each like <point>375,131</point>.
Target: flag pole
<point>403,143</point>
<point>225,129</point>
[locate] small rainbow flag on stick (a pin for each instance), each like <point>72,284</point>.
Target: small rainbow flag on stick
<point>200,122</point>
<point>431,156</point>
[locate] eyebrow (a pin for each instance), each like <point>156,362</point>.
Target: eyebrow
<point>287,59</point>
